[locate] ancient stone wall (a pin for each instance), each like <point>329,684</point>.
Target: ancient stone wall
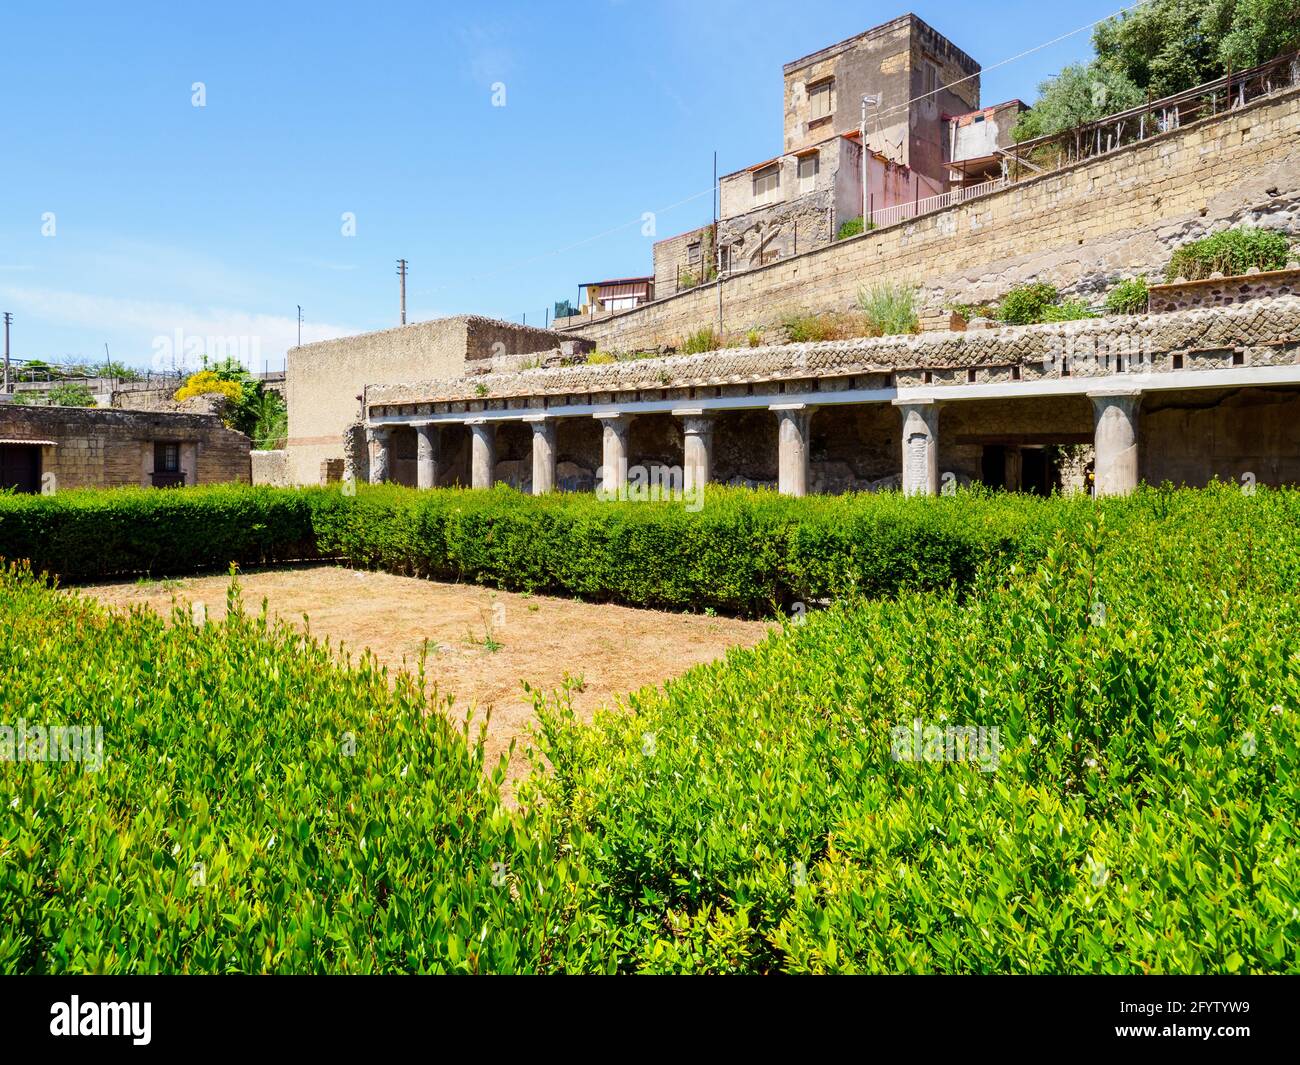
<point>1082,228</point>
<point>271,467</point>
<point>1261,333</point>
<point>96,448</point>
<point>1223,291</point>
<point>324,381</point>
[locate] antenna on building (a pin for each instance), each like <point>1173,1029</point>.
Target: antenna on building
<point>299,325</point>
<point>8,318</point>
<point>401,272</point>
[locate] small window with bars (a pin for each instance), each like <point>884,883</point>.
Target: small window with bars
<point>166,457</point>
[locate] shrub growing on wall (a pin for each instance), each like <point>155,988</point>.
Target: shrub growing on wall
<point>1233,251</point>
<point>1027,304</point>
<point>700,341</point>
<point>890,309</point>
<point>1128,297</point>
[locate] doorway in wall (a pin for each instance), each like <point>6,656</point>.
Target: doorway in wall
<point>20,467</point>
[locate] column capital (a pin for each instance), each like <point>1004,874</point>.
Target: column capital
<point>539,419</point>
<point>476,421</point>
<point>611,415</point>
<point>900,402</point>
<point>780,407</point>
<point>1115,393</point>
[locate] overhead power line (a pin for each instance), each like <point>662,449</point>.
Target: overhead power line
<point>509,267</point>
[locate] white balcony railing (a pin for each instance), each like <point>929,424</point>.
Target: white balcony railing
<point>901,212</point>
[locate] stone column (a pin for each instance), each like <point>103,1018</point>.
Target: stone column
<point>543,453</point>
<point>377,441</point>
<point>1115,418</point>
<point>920,446</point>
<point>613,463</point>
<point>697,454</point>
<point>426,456</point>
<point>483,453</point>
<point>793,439</point>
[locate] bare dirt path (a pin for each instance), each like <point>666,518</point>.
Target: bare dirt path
<point>482,643</point>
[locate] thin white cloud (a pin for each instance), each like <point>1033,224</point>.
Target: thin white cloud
<point>174,330</point>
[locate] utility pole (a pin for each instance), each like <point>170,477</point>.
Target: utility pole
<point>401,272</point>
<point>300,325</point>
<point>8,318</point>
<point>873,99</point>
<point>108,361</point>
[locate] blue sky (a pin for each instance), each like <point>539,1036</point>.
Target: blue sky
<point>219,220</point>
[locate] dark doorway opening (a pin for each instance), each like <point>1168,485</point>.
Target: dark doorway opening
<point>20,467</point>
<point>1038,473</point>
<point>993,466</point>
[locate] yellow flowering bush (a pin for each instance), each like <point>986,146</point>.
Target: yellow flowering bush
<point>205,382</point>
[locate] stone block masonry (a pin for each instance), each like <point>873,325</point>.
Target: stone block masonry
<point>1081,228</point>
<point>96,448</point>
<point>325,381</point>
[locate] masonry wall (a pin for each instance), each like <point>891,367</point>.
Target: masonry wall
<point>271,468</point>
<point>886,60</point>
<point>672,258</point>
<point>325,380</point>
<point>1081,228</point>
<point>1236,435</point>
<point>96,448</point>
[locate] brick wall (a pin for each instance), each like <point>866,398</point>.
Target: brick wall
<point>1082,228</point>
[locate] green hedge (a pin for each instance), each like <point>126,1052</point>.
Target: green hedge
<point>257,808</point>
<point>1145,681</point>
<point>260,808</point>
<point>92,534</point>
<point>744,551</point>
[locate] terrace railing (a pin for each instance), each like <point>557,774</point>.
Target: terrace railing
<point>901,212</point>
<point>1155,117</point>
<point>1093,139</point>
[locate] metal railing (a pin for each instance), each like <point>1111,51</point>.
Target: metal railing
<point>901,212</point>
<point>1155,117</point>
<point>1042,155</point>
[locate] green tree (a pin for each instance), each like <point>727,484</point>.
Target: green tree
<point>1082,92</point>
<point>1171,45</point>
<point>1261,30</point>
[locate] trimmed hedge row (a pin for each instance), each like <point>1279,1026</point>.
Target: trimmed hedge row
<point>91,534</point>
<point>260,808</point>
<point>744,552</point>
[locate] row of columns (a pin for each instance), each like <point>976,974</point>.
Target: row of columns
<point>1115,435</point>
